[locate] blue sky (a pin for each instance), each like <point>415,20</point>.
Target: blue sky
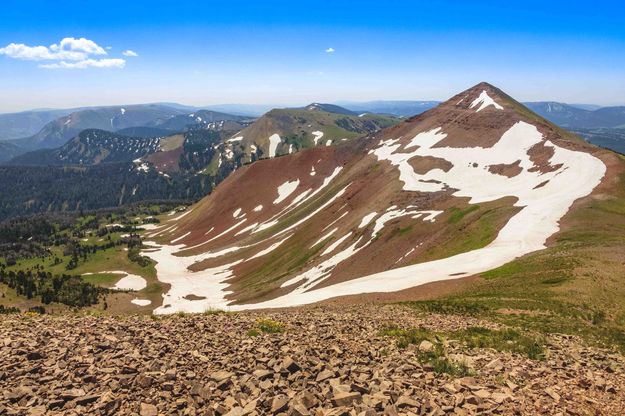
<point>202,53</point>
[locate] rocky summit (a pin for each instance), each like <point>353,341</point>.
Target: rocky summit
<point>359,360</point>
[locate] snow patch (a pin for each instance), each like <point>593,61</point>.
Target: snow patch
<point>285,190</point>
<point>485,100</point>
<point>274,141</point>
<point>367,219</point>
<point>181,237</point>
<point>317,136</point>
<point>337,243</point>
<point>127,282</point>
<point>268,249</point>
<point>327,235</point>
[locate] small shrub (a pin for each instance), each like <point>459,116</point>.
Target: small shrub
<point>503,340</point>
<point>443,365</point>
<point>213,311</point>
<point>598,317</point>
<point>407,337</point>
<point>435,358</point>
<point>270,326</point>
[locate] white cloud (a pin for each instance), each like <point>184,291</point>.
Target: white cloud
<point>130,53</point>
<point>21,51</point>
<point>87,63</point>
<point>71,49</point>
<point>71,53</point>
<point>330,50</point>
<point>81,45</point>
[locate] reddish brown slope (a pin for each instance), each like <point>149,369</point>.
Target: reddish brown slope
<point>319,228</point>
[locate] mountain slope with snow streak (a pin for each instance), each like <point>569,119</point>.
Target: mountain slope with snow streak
<point>284,131</point>
<point>461,189</point>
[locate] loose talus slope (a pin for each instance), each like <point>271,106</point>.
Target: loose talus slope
<point>461,189</point>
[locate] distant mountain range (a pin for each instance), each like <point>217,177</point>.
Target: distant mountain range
<point>49,129</point>
<point>178,157</point>
<point>150,120</point>
<point>569,116</point>
<point>396,108</point>
<point>91,147</point>
<point>59,131</point>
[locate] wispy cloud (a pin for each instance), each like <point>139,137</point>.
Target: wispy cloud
<point>72,53</point>
<point>330,50</point>
<point>87,63</point>
<point>130,53</point>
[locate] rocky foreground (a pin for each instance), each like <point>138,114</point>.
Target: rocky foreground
<point>326,361</point>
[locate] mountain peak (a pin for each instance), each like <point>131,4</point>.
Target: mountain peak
<point>329,108</point>
<point>482,97</point>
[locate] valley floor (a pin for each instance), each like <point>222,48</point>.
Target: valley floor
<point>317,360</point>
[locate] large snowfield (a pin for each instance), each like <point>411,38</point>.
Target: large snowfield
<point>542,207</point>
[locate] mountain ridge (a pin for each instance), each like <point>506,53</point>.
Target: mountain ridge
<point>442,188</point>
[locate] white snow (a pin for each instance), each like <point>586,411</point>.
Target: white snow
<point>316,274</point>
<point>274,141</point>
<point>328,142</point>
<point>173,270</point>
<point>318,135</point>
<point>367,219</point>
<point>334,245</point>
<point>258,208</point>
<point>393,213</point>
<point>236,212</point>
<point>184,214</point>
<point>127,282</point>
<point>312,171</point>
<point>181,237</point>
<point>286,189</point>
<point>246,229</point>
<point>226,231</point>
<point>315,212</point>
<point>268,249</point>
<point>144,167</point>
<point>290,148</point>
<point>273,221</point>
<point>123,111</point>
<point>141,302</point>
<point>485,100</point>
<point>327,235</point>
<point>235,139</point>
